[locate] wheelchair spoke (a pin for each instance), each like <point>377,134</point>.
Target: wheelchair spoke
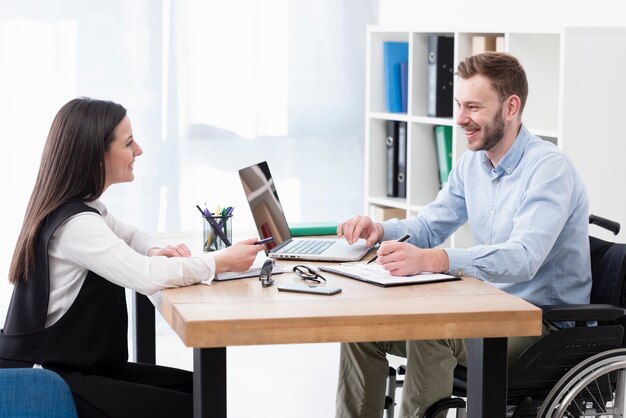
<point>602,403</point>
<point>595,401</point>
<point>580,411</point>
<point>594,388</point>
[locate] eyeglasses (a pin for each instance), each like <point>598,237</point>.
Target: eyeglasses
<point>266,273</point>
<point>308,274</point>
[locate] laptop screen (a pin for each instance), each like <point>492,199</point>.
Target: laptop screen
<point>264,203</point>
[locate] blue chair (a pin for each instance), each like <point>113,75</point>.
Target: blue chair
<point>34,393</point>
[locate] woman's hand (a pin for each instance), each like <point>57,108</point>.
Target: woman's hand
<point>179,250</point>
<point>238,257</point>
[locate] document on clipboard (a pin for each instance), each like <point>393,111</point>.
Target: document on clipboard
<point>375,274</point>
<point>253,271</point>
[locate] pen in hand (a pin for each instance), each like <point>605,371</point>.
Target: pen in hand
<point>402,239</point>
<point>264,240</point>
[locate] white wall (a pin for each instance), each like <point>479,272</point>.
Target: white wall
<point>483,13</point>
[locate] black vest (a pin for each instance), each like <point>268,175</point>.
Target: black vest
<point>92,335</point>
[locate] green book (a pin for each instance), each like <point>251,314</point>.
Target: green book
<point>301,229</point>
<point>443,142</point>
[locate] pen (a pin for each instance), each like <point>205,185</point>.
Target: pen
<point>264,240</point>
<point>226,212</point>
<point>402,239</point>
<point>215,227</point>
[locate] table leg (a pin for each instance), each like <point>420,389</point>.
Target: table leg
<point>486,377</point>
<point>209,382</point>
<point>145,338</point>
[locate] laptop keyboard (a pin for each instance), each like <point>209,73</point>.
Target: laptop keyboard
<point>306,247</point>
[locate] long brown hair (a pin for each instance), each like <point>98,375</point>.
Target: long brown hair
<point>72,167</point>
<point>505,72</point>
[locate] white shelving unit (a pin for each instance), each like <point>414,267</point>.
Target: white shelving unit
<point>576,87</point>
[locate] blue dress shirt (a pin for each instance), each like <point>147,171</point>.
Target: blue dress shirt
<point>529,219</point>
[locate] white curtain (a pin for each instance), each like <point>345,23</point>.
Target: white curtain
<point>274,80</point>
<point>210,87</point>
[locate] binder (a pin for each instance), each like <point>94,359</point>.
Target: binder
<point>440,75</point>
<point>396,158</point>
<point>443,145</point>
<point>404,85</point>
<point>302,229</point>
<point>395,53</point>
<point>401,174</point>
<point>376,274</point>
<point>390,143</point>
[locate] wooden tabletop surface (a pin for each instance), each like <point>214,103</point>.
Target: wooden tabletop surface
<point>241,312</point>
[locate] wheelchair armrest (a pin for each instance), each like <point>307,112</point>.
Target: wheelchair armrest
<point>595,312</point>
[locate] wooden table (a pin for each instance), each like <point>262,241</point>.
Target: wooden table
<point>241,312</point>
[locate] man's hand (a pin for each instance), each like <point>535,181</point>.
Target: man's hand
<point>404,259</point>
<point>361,227</point>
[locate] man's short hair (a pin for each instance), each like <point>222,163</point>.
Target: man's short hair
<point>504,71</point>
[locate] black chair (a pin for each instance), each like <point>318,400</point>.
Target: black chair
<point>592,356</point>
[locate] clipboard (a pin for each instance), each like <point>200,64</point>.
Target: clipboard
<point>253,272</point>
<point>375,274</point>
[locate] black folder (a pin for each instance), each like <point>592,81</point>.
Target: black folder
<point>391,142</point>
<point>440,75</point>
<point>401,173</point>
<point>376,275</point>
<point>396,158</point>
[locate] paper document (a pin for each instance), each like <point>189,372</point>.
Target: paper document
<point>376,274</point>
<point>254,271</point>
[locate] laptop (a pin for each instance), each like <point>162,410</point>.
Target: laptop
<point>271,222</point>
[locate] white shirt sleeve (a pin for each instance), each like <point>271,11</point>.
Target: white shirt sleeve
<point>90,242</point>
<point>140,241</point>
<point>86,241</point>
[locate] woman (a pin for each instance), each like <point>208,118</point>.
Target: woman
<point>73,261</point>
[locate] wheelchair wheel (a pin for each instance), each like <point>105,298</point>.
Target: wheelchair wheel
<point>596,387</point>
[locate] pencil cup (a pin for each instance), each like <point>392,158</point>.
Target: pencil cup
<point>217,232</point>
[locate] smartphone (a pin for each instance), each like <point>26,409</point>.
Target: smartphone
<point>304,288</point>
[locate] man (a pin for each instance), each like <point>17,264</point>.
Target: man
<point>528,213</point>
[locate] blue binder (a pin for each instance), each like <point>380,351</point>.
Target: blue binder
<point>395,54</point>
<point>404,85</point>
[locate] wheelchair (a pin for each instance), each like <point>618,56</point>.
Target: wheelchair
<point>572,372</point>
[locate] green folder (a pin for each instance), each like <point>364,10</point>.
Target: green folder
<point>301,229</point>
<point>443,138</point>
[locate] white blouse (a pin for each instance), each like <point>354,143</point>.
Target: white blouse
<point>117,252</point>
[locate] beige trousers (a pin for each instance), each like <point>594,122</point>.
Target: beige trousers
<point>363,370</point>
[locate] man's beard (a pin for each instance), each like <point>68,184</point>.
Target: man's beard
<point>493,133</point>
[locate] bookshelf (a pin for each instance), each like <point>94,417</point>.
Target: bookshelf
<point>565,89</point>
